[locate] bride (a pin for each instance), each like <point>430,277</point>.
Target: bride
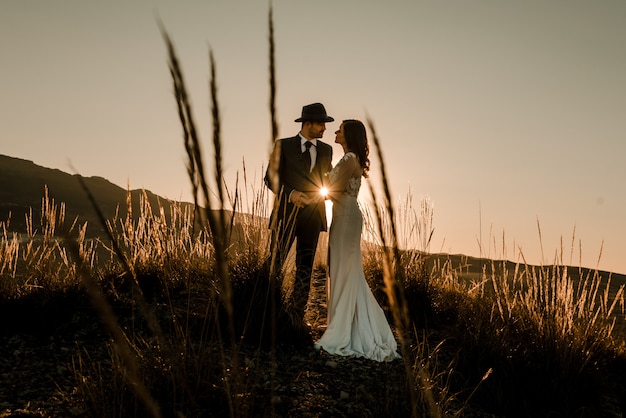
<point>357,325</point>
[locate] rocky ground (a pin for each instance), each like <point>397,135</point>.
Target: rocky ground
<point>37,380</point>
<point>37,377</point>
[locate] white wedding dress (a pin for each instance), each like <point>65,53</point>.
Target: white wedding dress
<point>357,325</point>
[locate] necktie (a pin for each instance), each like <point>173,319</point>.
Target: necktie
<point>307,154</point>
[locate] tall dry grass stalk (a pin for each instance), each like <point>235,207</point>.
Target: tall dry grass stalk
<point>274,157</point>
<point>216,218</point>
<point>9,252</point>
<point>273,175</point>
<point>394,278</point>
<point>272,71</point>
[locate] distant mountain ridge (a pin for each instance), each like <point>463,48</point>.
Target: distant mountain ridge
<point>23,186</point>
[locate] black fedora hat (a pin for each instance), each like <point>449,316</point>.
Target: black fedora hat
<point>314,112</point>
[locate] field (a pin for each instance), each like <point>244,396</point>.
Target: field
<point>142,327</point>
<point>171,314</point>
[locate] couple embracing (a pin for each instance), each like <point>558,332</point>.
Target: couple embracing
<point>299,168</point>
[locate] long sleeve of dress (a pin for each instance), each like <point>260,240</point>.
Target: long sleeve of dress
<point>348,167</point>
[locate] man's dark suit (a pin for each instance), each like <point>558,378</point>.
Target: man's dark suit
<point>288,221</point>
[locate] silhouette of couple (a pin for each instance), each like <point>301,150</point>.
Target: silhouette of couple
<point>299,168</point>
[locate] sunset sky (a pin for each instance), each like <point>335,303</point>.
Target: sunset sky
<point>504,114</point>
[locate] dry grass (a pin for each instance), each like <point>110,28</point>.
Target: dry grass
<point>486,342</point>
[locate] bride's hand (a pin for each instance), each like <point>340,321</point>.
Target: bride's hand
<point>301,199</point>
<point>313,198</point>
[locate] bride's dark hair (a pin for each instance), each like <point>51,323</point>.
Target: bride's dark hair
<point>356,140</point>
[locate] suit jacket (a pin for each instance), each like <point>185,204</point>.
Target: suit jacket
<point>294,175</point>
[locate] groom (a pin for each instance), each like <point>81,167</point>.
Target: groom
<point>296,172</point>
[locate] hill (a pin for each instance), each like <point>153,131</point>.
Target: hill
<point>23,185</point>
